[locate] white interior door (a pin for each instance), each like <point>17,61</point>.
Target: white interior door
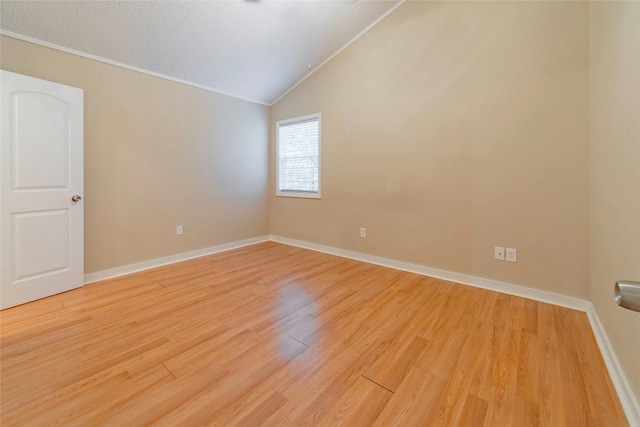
<point>41,227</point>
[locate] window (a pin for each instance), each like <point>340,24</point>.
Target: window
<point>298,157</point>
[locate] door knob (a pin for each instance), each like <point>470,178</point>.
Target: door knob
<point>627,294</point>
<point>76,198</point>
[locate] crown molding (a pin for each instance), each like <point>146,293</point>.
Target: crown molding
<point>349,43</point>
<point>125,66</point>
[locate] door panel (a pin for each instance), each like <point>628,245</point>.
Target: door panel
<point>41,228</point>
<point>40,141</point>
<point>40,243</point>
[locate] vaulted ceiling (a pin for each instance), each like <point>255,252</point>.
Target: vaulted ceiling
<point>254,50</point>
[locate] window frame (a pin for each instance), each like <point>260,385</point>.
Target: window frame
<point>299,194</point>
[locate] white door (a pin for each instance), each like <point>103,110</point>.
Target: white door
<point>41,226</point>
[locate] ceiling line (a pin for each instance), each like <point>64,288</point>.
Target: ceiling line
<point>122,65</point>
<point>189,83</point>
<point>349,43</point>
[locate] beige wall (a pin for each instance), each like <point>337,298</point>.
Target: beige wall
<point>451,128</point>
<point>158,154</point>
<point>614,163</point>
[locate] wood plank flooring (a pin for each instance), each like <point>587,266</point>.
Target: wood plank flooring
<point>275,335</point>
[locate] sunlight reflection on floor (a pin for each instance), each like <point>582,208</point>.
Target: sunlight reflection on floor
<point>293,298</point>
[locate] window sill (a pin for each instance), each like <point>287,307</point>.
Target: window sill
<point>298,195</point>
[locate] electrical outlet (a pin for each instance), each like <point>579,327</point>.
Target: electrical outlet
<point>179,230</point>
<point>363,232</point>
<point>512,255</point>
<point>499,253</point>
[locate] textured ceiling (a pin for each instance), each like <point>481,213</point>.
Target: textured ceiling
<point>255,50</point>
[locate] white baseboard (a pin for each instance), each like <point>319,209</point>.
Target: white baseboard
<point>629,402</point>
<point>158,262</point>
<point>627,398</point>
<point>465,279</point>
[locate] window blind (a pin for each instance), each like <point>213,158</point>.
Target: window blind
<point>298,156</point>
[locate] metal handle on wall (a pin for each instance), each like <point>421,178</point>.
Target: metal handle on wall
<point>627,294</point>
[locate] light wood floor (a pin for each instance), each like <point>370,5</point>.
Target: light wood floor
<point>276,335</point>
